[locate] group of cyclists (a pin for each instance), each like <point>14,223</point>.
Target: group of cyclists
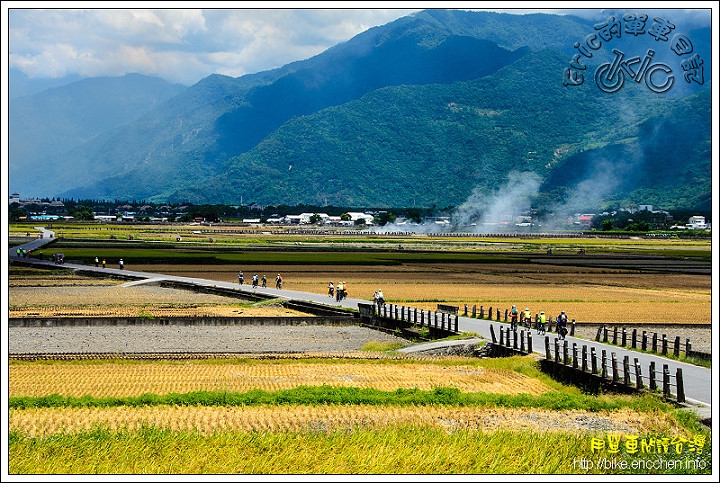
<point>339,291</point>
<point>525,318</point>
<point>256,280</point>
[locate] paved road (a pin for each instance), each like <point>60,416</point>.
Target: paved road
<point>698,380</point>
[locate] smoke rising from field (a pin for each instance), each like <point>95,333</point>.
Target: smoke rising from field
<point>484,211</point>
<point>589,192</point>
<point>508,208</point>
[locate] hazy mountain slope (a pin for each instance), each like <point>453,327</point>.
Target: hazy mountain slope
<point>20,85</point>
<point>666,163</point>
<point>410,145</point>
<point>45,125</point>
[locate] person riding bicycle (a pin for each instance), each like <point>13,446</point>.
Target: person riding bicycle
<point>338,291</point>
<point>331,289</point>
<point>379,298</point>
<point>342,290</point>
<point>541,323</point>
<point>513,317</point>
<point>527,317</point>
<point>562,324</point>
<point>255,280</point>
<point>278,281</point>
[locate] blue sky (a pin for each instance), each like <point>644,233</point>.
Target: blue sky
<point>186,44</point>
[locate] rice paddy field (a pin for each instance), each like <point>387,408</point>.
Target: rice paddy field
<point>383,414</point>
<point>378,412</point>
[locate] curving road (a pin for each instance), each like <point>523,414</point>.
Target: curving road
<point>698,380</point>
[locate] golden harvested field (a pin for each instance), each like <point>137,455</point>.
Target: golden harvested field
<point>45,422</point>
<point>598,294</point>
<point>134,379</point>
<point>124,379</point>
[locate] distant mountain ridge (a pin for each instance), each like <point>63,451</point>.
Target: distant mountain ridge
<point>20,85</point>
<point>427,110</point>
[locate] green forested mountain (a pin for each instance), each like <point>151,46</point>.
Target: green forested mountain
<point>437,109</point>
<point>434,145</point>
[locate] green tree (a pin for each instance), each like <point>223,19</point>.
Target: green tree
<point>83,212</point>
<point>384,218</point>
<point>17,213</point>
<point>606,225</point>
<point>638,226</point>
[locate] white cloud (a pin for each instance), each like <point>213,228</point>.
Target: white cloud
<point>186,44</point>
<point>180,45</point>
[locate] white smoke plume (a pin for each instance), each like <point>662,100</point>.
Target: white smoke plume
<point>484,212</point>
<point>606,176</point>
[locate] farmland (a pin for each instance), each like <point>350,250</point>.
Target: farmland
<point>616,281</point>
<point>377,412</point>
<point>434,415</point>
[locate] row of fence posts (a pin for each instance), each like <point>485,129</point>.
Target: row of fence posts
<point>437,320</point>
<point>506,317</point>
<point>517,341</point>
<point>513,339</point>
<point>603,332</point>
<point>617,375</point>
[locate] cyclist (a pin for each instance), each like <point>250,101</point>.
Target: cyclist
<point>513,317</point>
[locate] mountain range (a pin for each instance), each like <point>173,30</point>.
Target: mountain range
<point>441,108</point>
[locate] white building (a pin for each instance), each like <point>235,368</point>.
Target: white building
<point>354,216</point>
<point>697,223</point>
<point>305,217</point>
